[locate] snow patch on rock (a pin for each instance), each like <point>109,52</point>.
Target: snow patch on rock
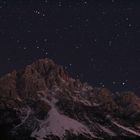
<point>126,129</point>
<point>58,124</point>
<point>108,131</point>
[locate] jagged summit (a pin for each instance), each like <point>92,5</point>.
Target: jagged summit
<point>41,74</point>
<point>42,101</point>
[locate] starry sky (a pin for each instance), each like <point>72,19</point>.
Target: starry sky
<point>97,41</point>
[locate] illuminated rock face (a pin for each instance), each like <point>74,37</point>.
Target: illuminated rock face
<point>42,101</point>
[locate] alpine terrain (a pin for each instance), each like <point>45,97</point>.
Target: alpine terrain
<point>42,102</point>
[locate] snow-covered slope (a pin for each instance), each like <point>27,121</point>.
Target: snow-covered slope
<point>58,124</point>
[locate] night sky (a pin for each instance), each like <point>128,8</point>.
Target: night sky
<point>97,41</point>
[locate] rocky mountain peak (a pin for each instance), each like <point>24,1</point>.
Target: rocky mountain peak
<point>42,101</point>
<point>40,75</point>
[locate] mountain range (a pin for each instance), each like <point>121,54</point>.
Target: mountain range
<point>42,102</point>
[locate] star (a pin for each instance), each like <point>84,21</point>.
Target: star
<point>110,43</point>
<point>46,1</point>
<point>87,20</point>
<point>43,15</point>
<point>45,39</point>
<point>37,12</point>
<point>9,59</point>
<point>59,3</point>
<point>18,41</point>
<point>46,53</point>
<point>70,64</point>
<point>29,31</point>
<point>91,59</point>
<point>85,2</point>
<point>103,85</point>
<point>114,82</point>
<point>77,47</point>
<point>129,25</point>
<point>123,83</point>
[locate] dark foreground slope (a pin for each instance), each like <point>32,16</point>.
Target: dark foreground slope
<point>41,102</point>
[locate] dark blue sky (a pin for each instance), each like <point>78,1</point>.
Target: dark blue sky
<point>97,41</point>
